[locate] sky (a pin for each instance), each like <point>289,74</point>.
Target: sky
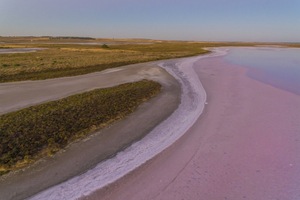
<point>202,20</point>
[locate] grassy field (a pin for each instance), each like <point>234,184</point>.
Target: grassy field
<point>44,129</point>
<point>59,60</point>
<point>294,45</point>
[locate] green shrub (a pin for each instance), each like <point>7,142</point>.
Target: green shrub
<point>105,46</point>
<point>46,128</point>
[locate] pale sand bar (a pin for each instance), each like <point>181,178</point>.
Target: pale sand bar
<point>245,145</point>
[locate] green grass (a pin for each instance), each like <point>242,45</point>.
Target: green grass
<point>44,129</point>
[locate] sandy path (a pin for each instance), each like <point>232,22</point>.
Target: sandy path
<point>17,95</point>
<point>245,146</point>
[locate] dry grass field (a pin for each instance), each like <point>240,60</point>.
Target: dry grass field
<point>58,60</point>
<point>71,56</point>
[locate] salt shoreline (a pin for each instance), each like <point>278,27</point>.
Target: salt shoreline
<point>192,105</point>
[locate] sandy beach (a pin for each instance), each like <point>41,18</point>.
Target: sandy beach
<point>244,146</point>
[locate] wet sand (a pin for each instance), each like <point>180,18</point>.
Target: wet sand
<point>81,156</point>
<point>245,145</point>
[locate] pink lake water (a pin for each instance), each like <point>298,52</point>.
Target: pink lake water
<point>279,67</point>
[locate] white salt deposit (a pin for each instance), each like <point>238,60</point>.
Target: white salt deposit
<point>193,99</point>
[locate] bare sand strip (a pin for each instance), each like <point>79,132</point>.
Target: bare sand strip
<point>245,146</point>
<point>17,95</point>
<point>19,50</point>
<point>81,156</point>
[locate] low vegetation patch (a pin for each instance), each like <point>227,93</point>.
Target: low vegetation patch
<point>44,129</point>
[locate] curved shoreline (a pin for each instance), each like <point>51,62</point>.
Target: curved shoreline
<point>165,134</point>
<point>244,146</point>
<point>182,70</point>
